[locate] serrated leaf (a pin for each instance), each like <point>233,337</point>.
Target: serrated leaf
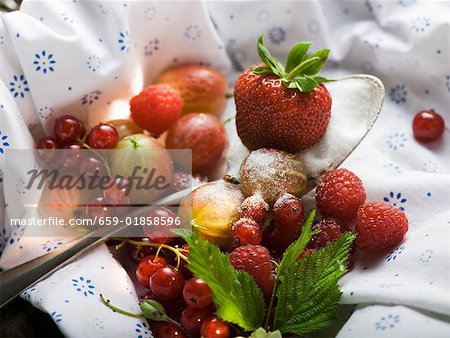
<point>261,333</point>
<point>317,66</point>
<point>305,83</point>
<point>235,293</point>
<point>309,293</point>
<point>273,63</point>
<point>296,55</point>
<point>296,248</point>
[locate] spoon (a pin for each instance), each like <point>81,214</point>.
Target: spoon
<point>357,102</point>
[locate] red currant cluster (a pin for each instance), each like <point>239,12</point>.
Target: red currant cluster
<point>70,136</point>
<point>183,297</point>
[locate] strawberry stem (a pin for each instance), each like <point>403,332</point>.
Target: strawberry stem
<point>301,67</point>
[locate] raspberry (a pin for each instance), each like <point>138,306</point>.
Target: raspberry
<point>380,227</point>
<point>329,231</point>
<point>339,194</point>
<point>305,253</point>
<point>156,108</point>
<point>278,237</point>
<point>255,259</point>
<point>246,231</point>
<point>254,207</point>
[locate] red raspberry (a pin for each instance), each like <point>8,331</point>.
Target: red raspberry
<point>254,207</point>
<point>329,232</point>
<point>156,108</point>
<point>246,231</point>
<point>278,237</point>
<point>380,227</point>
<point>255,259</point>
<point>339,194</point>
<point>305,253</point>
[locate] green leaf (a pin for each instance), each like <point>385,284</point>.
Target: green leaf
<point>309,293</point>
<point>296,55</point>
<point>238,298</point>
<point>305,83</point>
<point>321,79</point>
<point>261,333</point>
<point>262,70</point>
<point>296,248</point>
<point>273,63</point>
<point>317,66</point>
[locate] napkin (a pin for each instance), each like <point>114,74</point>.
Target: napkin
<point>105,52</point>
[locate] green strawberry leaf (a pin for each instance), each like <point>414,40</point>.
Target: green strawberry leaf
<point>262,70</point>
<point>305,83</point>
<point>309,293</point>
<point>321,79</point>
<point>296,248</point>
<point>317,66</point>
<point>296,55</point>
<point>273,63</point>
<point>301,68</point>
<point>235,293</point>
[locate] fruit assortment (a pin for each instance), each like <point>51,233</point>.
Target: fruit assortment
<point>254,262</point>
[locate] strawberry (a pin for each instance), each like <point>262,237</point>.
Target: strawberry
<point>287,108</point>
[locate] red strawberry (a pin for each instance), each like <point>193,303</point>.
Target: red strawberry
<point>283,107</point>
<point>156,108</point>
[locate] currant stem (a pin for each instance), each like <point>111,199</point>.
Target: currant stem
<point>115,308</point>
<point>272,298</point>
<point>87,146</point>
<point>157,245</point>
<point>302,66</point>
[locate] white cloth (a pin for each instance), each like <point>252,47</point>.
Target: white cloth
<point>106,51</point>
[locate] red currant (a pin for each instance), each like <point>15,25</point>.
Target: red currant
<point>213,327</point>
<point>428,126</point>
<point>162,220</point>
<point>192,319</point>
<point>278,238</point>
<point>167,283</point>
<point>103,136</point>
<point>91,165</point>
<point>68,128</point>
<point>44,146</point>
<point>71,156</point>
<point>197,293</point>
<point>98,208</point>
<point>117,192</point>
<point>167,330</point>
<point>288,211</point>
<point>147,267</point>
<point>136,253</point>
<point>181,181</point>
<point>254,207</point>
<point>246,231</point>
